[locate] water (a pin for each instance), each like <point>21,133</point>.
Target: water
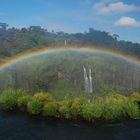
<point>20,126</point>
<point>88,81</point>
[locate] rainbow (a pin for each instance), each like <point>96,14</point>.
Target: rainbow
<point>48,50</point>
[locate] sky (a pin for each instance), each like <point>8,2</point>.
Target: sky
<point>120,17</point>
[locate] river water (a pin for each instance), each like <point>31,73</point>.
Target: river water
<point>21,126</point>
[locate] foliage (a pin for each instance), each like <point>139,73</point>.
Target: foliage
<point>108,108</point>
<point>50,109</point>
<point>135,96</point>
<point>93,111</point>
<point>9,98</point>
<point>34,106</point>
<point>131,109</point>
<point>23,101</point>
<point>14,40</point>
<point>43,97</point>
<point>76,107</point>
<point>113,110</point>
<point>45,74</point>
<point>65,108</point>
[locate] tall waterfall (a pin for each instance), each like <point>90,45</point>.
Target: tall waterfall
<point>86,85</point>
<point>88,81</point>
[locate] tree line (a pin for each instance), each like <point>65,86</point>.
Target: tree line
<point>14,40</point>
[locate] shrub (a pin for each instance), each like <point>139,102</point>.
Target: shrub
<point>76,107</point>
<point>113,107</point>
<point>92,111</point>
<point>50,109</point>
<point>87,112</point>
<point>34,106</point>
<point>65,108</point>
<point>23,101</point>
<point>115,97</point>
<point>113,110</point>
<point>131,109</point>
<point>135,96</point>
<point>109,108</point>
<point>9,98</point>
<point>43,97</point>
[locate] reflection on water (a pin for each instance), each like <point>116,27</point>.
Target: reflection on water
<point>20,126</point>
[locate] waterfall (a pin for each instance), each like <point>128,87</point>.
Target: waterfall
<point>88,81</point>
<point>65,42</point>
<point>86,85</point>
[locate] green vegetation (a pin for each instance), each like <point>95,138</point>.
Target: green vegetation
<point>64,108</point>
<point>42,97</point>
<point>108,108</point>
<point>34,106</point>
<point>135,97</point>
<point>93,111</point>
<point>22,101</point>
<point>62,74</point>
<point>76,107</point>
<point>50,109</point>
<point>14,40</point>
<point>132,109</point>
<point>9,98</point>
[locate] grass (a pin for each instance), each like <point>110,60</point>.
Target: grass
<point>108,108</point>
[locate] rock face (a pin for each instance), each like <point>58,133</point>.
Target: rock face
<point>87,81</point>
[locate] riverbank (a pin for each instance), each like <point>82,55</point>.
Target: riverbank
<point>109,108</point>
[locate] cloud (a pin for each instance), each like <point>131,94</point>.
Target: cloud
<point>127,22</point>
<point>103,8</point>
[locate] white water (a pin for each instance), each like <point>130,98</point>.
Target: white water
<point>86,85</point>
<point>88,81</point>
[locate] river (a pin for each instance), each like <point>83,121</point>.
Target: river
<point>21,126</point>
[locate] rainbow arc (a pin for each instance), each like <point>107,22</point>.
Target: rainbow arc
<point>48,50</point>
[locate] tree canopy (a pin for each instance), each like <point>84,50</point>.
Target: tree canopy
<point>14,40</point>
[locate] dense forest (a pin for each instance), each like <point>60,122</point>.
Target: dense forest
<point>14,40</point>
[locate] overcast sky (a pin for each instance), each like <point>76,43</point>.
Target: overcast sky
<point>115,16</point>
